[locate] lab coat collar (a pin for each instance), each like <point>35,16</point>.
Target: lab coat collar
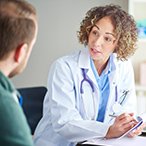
<point>114,68</point>
<point>108,68</point>
<point>84,62</point>
<point>84,58</point>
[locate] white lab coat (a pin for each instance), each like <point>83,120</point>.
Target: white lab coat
<point>64,120</point>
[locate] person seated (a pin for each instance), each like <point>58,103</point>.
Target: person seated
<point>18,32</point>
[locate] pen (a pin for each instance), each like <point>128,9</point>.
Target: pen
<point>114,116</point>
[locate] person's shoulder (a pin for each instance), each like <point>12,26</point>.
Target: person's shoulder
<point>4,95</point>
<point>124,66</point>
<point>12,120</point>
<point>121,62</point>
<point>9,105</point>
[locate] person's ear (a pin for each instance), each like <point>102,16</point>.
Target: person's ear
<point>20,53</point>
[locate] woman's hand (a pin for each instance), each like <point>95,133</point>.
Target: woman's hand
<point>137,131</point>
<point>122,124</point>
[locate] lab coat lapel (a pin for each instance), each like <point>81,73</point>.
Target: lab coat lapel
<point>91,76</point>
<point>113,79</point>
<point>84,58</point>
<point>113,76</point>
<point>84,62</point>
<point>113,83</point>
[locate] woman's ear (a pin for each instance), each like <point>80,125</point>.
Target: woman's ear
<point>20,53</point>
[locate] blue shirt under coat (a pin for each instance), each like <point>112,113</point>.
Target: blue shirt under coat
<point>104,89</point>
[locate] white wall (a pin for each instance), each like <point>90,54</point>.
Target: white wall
<point>58,23</point>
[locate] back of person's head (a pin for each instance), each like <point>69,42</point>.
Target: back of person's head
<point>17,25</point>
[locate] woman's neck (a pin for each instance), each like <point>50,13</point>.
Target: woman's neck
<point>100,66</point>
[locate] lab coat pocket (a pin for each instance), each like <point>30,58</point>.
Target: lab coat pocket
<point>123,95</point>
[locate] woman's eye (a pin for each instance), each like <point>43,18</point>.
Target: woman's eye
<point>95,33</point>
<point>108,39</point>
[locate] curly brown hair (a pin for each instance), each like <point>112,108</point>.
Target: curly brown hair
<point>124,24</point>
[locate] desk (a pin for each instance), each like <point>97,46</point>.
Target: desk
<point>125,141</point>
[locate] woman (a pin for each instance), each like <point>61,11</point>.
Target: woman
<point>102,68</point>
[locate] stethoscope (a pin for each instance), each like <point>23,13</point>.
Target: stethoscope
<point>17,97</point>
<point>117,107</point>
<point>82,95</point>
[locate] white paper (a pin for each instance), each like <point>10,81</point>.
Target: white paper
<point>125,141</point>
<point>139,140</point>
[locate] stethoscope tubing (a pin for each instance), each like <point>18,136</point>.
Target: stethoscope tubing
<point>87,80</point>
<point>93,95</point>
<point>95,113</point>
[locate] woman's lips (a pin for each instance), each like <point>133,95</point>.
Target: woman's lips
<point>94,50</point>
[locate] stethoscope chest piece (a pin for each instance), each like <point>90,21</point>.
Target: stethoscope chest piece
<point>116,107</point>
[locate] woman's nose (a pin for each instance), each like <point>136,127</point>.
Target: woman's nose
<point>98,41</point>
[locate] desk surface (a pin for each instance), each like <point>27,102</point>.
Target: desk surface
<point>126,141</point>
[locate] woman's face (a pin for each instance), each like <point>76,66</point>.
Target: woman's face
<point>102,41</point>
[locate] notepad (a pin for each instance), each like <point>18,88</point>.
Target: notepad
<point>111,141</point>
<point>124,141</point>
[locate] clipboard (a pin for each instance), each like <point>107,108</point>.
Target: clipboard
<point>103,142</point>
<point>126,141</point>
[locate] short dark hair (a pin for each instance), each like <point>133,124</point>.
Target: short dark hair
<point>124,24</point>
<point>17,25</point>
